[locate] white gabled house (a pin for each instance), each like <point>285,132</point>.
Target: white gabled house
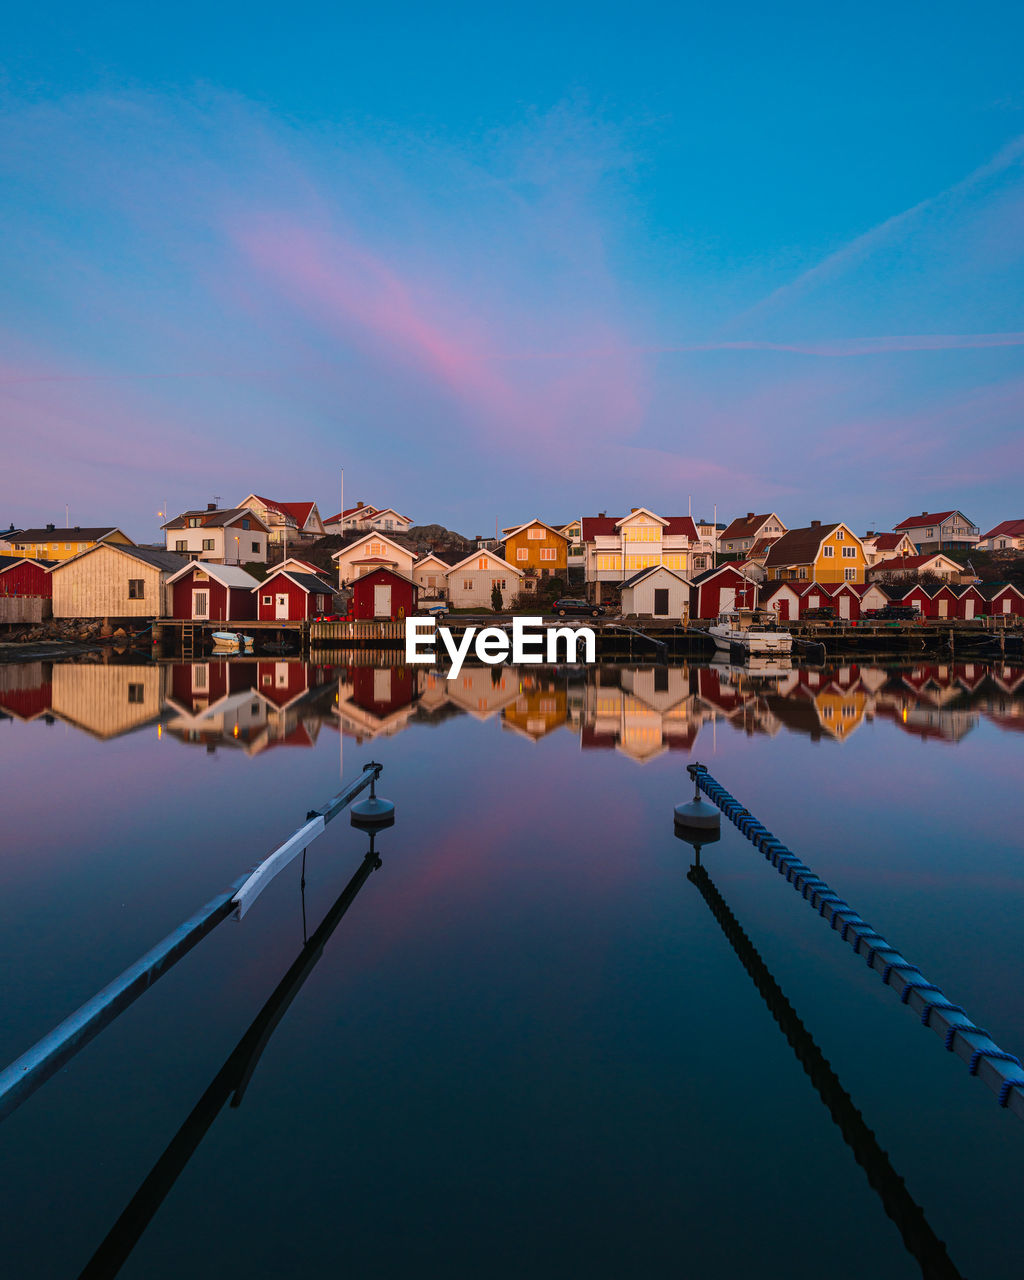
<point>472,580</point>
<point>430,574</point>
<point>372,551</point>
<point>616,548</point>
<point>656,592</point>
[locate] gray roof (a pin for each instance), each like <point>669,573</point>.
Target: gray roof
<point>307,581</point>
<point>168,561</point>
<point>64,535</point>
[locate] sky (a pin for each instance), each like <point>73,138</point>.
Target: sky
<point>542,259</point>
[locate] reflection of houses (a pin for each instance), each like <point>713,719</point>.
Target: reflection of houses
<point>651,710</point>
<point>484,691</point>
<point>376,701</point>
<point>107,701</point>
<point>216,704</point>
<point>540,708</point>
<point>26,692</point>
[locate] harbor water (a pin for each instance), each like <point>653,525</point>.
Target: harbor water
<point>524,1042</point>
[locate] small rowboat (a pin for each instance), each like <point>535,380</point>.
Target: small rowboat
<point>231,642</point>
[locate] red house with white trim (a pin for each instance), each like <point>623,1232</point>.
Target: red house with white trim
<point>1003,599</point>
<point>26,590</point>
<point>288,595</point>
<point>718,590</point>
<point>205,592</point>
<point>384,593</point>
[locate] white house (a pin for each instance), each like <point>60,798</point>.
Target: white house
<point>1007,536</point>
<point>430,574</point>
<point>615,548</point>
<point>373,551</point>
<point>882,546</point>
<point>471,581</point>
<point>112,581</point>
<point>940,531</point>
<point>234,536</point>
<point>656,592</point>
<point>739,536</point>
<point>286,521</point>
<point>362,516</point>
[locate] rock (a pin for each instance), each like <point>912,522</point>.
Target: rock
<point>120,634</point>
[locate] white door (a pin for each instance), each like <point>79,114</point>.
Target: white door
<point>844,606</point>
<point>727,599</point>
<point>201,604</point>
<point>943,608</point>
<point>969,608</point>
<point>282,606</point>
<point>382,601</point>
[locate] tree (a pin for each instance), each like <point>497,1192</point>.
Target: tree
<point>496,600</point>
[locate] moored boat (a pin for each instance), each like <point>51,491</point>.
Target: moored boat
<point>231,642</point>
<point>751,630</point>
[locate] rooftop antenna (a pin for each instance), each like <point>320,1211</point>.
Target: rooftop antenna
<point>67,516</point>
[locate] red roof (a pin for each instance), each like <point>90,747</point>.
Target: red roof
<point>926,517</point>
<point>300,510</point>
<point>887,541</point>
<point>595,525</point>
<point>1009,528</point>
<point>904,562</point>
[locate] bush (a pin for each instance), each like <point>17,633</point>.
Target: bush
<point>497,603</point>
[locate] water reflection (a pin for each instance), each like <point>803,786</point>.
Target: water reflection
<point>920,1240</point>
<point>641,711</point>
<point>231,1081</point>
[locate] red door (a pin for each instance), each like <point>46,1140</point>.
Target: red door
<point>783,608</point>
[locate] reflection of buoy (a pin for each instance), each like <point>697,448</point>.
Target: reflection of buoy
<point>374,813</point>
<point>697,822</point>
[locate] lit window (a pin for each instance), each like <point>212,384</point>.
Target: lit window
<point>535,534</point>
<point>850,574</point>
<point>547,553</point>
<point>207,544</point>
<point>522,553</point>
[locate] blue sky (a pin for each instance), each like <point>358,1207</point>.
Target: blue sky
<point>513,262</point>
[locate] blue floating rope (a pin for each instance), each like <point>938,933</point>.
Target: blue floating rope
<point>844,918</point>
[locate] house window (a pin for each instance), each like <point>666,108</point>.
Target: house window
<point>839,535</point>
<point>547,553</point>
<point>136,589</point>
<point>268,600</point>
<point>498,582</point>
<point>194,522</point>
<point>320,601</point>
<point>522,553</point>
<point>135,692</point>
<point>467,584</point>
<point>432,581</point>
<point>482,563</point>
<point>255,546</point>
<point>803,571</point>
<point>245,524</point>
<point>181,544</point>
<point>828,552</point>
<point>850,553</point>
<point>67,546</point>
<point>850,574</point>
<point>929,533</point>
<point>535,534</point>
<point>207,544</point>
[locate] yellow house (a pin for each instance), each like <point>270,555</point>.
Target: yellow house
<point>537,546</point>
<point>820,553</point>
<point>52,543</point>
<point>542,707</point>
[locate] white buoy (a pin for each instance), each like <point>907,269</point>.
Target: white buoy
<point>698,822</point>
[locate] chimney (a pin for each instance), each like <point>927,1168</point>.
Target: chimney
<point>358,505</point>
<point>601,515</point>
<point>750,515</point>
<point>211,506</point>
<point>51,527</point>
<point>632,509</point>
<point>815,524</point>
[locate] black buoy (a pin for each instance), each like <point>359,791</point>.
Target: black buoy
<point>373,813</point>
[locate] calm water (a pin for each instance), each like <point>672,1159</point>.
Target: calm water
<point>529,1046</point>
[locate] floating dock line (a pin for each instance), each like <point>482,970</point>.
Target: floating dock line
<point>918,1237</point>
<point>21,1079</point>
<point>1001,1072</point>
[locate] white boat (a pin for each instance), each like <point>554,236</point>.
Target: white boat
<point>231,642</point>
<point>746,629</point>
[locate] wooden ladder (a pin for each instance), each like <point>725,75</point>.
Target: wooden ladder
<point>188,640</point>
